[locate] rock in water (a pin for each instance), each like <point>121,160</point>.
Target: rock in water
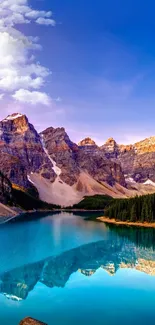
<point>31,321</point>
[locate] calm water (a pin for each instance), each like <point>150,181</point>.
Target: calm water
<point>64,270</point>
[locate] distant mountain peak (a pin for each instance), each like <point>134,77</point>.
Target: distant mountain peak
<point>87,142</point>
<point>13,116</point>
<point>111,141</point>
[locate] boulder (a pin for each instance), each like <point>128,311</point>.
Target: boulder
<point>31,321</point>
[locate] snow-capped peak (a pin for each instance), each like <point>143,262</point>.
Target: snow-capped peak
<point>12,117</point>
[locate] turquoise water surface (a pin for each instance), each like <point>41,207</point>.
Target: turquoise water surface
<point>62,269</point>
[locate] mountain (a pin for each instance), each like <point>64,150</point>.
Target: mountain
<point>64,172</point>
<point>71,159</point>
<point>21,151</point>
<point>79,171</point>
<point>137,160</point>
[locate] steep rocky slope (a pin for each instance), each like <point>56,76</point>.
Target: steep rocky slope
<point>63,151</point>
<point>21,151</point>
<point>137,160</point>
<point>6,199</point>
<point>5,189</point>
<point>73,159</point>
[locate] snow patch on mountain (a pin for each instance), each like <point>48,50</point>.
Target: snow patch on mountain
<point>30,180</point>
<point>149,182</point>
<point>12,117</point>
<point>56,169</point>
<point>129,179</point>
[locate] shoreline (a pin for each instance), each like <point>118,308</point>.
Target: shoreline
<point>126,223</point>
<point>14,214</point>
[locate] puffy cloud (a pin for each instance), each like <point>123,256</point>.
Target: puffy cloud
<point>19,69</point>
<point>31,97</point>
<point>14,12</point>
<point>44,21</point>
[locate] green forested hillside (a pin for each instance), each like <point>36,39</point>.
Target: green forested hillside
<point>137,209</point>
<point>96,202</point>
<point>27,201</point>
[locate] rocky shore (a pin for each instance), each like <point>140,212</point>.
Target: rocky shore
<point>127,223</point>
<point>6,213</point>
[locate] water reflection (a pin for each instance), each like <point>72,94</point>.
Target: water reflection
<point>122,248</point>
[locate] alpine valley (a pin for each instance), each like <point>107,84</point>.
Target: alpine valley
<point>63,172</point>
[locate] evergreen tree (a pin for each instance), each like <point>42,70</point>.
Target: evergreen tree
<point>141,209</point>
<point>143,212</point>
<point>133,213</point>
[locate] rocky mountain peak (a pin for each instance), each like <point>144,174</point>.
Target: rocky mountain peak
<point>110,146</point>
<point>146,145</point>
<point>56,139</point>
<point>13,116</point>
<point>16,126</point>
<point>51,132</point>
<point>86,142</point>
<point>111,141</point>
<point>21,151</point>
<point>15,122</point>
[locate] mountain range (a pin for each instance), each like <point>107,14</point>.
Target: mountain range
<point>63,172</point>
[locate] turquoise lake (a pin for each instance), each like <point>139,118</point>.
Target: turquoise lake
<point>63,270</point>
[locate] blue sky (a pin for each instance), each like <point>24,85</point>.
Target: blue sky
<point>102,58</point>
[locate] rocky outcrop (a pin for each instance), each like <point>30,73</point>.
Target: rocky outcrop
<point>87,157</point>
<point>21,151</point>
<point>31,321</point>
<point>137,160</point>
<point>110,148</point>
<point>5,189</point>
<point>87,142</point>
<point>100,168</point>
<point>6,199</point>
<point>63,151</point>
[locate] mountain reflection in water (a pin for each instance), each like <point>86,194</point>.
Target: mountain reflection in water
<point>123,248</point>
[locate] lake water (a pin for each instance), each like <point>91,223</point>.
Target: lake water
<point>64,270</point>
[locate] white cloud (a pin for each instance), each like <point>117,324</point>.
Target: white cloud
<point>18,66</point>
<point>45,21</point>
<point>31,97</point>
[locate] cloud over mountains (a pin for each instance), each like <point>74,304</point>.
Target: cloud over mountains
<point>21,76</point>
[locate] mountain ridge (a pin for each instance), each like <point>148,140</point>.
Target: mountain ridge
<point>64,172</point>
